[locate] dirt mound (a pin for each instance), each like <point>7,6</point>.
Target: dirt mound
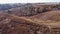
<point>51,15</point>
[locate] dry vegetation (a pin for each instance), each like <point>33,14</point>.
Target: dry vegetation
<point>21,25</point>
<point>13,24</point>
<point>31,20</point>
<point>51,15</point>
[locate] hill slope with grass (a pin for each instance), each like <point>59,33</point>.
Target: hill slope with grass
<point>51,15</point>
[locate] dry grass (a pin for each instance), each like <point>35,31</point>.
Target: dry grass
<point>51,15</point>
<point>16,21</point>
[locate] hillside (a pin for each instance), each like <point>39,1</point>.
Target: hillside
<point>9,6</point>
<point>50,15</point>
<point>30,9</point>
<point>12,24</point>
<point>36,18</point>
<point>33,9</point>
